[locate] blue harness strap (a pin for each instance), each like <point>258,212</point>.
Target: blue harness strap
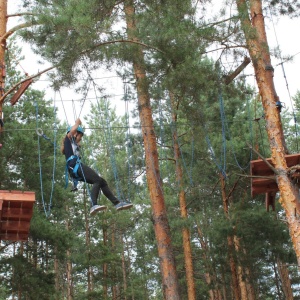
<point>74,174</point>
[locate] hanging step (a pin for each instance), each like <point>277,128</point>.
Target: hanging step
<point>16,208</point>
<point>260,168</point>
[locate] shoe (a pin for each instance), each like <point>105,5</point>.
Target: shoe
<point>96,208</point>
<point>123,205</point>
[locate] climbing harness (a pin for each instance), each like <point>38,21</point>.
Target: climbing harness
<point>73,172</point>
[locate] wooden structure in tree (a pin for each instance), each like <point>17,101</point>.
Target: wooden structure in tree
<point>16,208</point>
<point>24,86</point>
<point>264,183</point>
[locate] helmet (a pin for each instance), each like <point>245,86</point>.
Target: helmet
<point>80,130</point>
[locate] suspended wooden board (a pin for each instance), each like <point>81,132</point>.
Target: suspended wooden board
<point>24,86</point>
<point>260,168</point>
<point>16,208</point>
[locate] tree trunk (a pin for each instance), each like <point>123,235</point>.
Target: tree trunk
<point>56,271</point>
<point>285,280</point>
<point>214,293</point>
<point>242,288</point>
<point>69,264</point>
<point>187,249</point>
<point>3,23</point>
<point>257,45</point>
<point>159,214</point>
<point>104,268</point>
<point>115,289</point>
<point>231,249</point>
<point>87,245</point>
<point>124,267</point>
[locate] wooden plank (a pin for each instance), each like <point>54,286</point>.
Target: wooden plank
<point>262,186</point>
<point>260,168</point>
<point>17,195</point>
<point>16,214</point>
<point>13,236</point>
<point>15,226</point>
<point>17,204</point>
<point>1,203</point>
<point>24,86</point>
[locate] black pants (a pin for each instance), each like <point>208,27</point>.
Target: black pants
<point>99,183</point>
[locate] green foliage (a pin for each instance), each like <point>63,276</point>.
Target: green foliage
<point>213,124</point>
<point>34,283</point>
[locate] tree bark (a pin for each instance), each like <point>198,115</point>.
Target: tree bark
<point>214,293</point>
<point>88,245</point>
<point>230,242</point>
<point>187,249</point>
<point>3,24</point>
<point>56,271</point>
<point>124,267</point>
<point>257,45</point>
<point>69,264</point>
<point>285,280</point>
<point>104,267</point>
<point>159,214</point>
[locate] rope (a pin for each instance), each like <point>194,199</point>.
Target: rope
<point>128,143</point>
<point>84,99</point>
<point>66,116</point>
<point>47,213</point>
<point>108,136</point>
<point>109,143</point>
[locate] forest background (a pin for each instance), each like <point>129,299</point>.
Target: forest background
<point>238,249</point>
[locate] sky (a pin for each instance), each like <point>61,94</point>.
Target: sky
<point>281,32</point>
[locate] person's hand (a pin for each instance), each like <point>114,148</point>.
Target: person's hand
<point>78,121</point>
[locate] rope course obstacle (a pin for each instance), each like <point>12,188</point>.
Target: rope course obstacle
<point>16,208</point>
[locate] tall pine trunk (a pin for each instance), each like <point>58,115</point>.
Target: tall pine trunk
<point>159,214</point>
<point>69,263</point>
<point>186,240</point>
<point>104,267</point>
<point>257,45</point>
<point>242,288</point>
<point>210,276</point>
<point>285,280</point>
<point>3,24</point>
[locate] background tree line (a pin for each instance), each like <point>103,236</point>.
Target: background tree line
<point>231,247</point>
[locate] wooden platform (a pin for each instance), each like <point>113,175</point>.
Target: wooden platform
<point>16,210</point>
<point>260,168</point>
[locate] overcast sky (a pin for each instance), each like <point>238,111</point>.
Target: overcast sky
<point>282,32</point>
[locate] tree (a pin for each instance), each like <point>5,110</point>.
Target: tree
<point>257,45</point>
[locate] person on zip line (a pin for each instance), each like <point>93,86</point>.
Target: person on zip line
<point>80,172</point>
